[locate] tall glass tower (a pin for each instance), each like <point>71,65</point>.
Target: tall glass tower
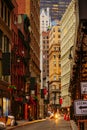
<point>57,7</point>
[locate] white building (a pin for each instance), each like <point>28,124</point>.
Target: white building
<point>69,25</point>
<point>45,23</point>
<point>45,20</point>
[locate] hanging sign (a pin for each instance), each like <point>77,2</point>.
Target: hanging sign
<point>83,87</point>
<point>80,107</point>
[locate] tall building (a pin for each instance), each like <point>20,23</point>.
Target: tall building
<point>45,36</point>
<point>6,8</point>
<point>54,67</point>
<point>45,23</point>
<point>69,25</point>
<point>57,7</point>
<point>32,9</point>
<point>78,78</point>
<point>45,19</point>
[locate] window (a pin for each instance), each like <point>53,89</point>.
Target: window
<point>0,39</point>
<point>54,63</point>
<point>59,64</point>
<point>54,77</point>
<point>58,36</point>
<point>59,78</point>
<point>59,56</point>
<point>0,68</point>
<point>8,18</point>
<point>1,8</point>
<point>47,47</point>
<point>5,15</point>
<point>59,30</point>
<point>54,56</point>
<point>42,22</point>
<point>54,30</point>
<point>53,36</point>
<point>6,44</point>
<point>54,48</point>
<point>43,47</point>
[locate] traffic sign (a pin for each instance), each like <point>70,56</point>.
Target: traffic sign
<point>83,87</point>
<point>80,107</point>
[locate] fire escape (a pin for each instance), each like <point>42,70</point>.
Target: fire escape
<point>79,69</point>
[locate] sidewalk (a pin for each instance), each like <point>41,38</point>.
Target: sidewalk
<point>73,125</point>
<point>22,123</point>
<point>25,122</point>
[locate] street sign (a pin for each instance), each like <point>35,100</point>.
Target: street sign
<point>80,107</point>
<point>83,87</point>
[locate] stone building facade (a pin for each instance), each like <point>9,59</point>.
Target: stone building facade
<point>69,25</point>
<point>54,67</point>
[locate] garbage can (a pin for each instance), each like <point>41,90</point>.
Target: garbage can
<point>10,121</point>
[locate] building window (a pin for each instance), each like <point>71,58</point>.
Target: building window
<point>59,78</point>
<point>59,64</point>
<point>54,63</point>
<point>53,36</point>
<point>1,8</point>
<point>47,47</point>
<point>54,30</point>
<point>0,68</point>
<point>54,56</point>
<point>6,44</point>
<point>0,39</point>
<point>43,47</point>
<point>47,37</point>
<point>58,36</point>
<point>59,56</point>
<point>5,14</point>
<point>8,18</point>
<point>54,77</point>
<point>54,48</point>
<point>42,22</point>
<point>59,30</point>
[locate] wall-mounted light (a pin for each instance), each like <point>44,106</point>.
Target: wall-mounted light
<point>18,60</point>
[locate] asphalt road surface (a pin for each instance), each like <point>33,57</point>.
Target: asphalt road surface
<point>49,124</point>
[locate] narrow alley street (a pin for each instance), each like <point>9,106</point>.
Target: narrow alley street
<point>48,124</point>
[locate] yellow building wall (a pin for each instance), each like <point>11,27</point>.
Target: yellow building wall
<point>54,45</point>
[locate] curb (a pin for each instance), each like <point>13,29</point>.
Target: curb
<point>25,123</point>
<point>73,125</point>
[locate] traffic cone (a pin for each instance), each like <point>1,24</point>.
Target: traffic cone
<point>68,118</point>
<point>64,116</point>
